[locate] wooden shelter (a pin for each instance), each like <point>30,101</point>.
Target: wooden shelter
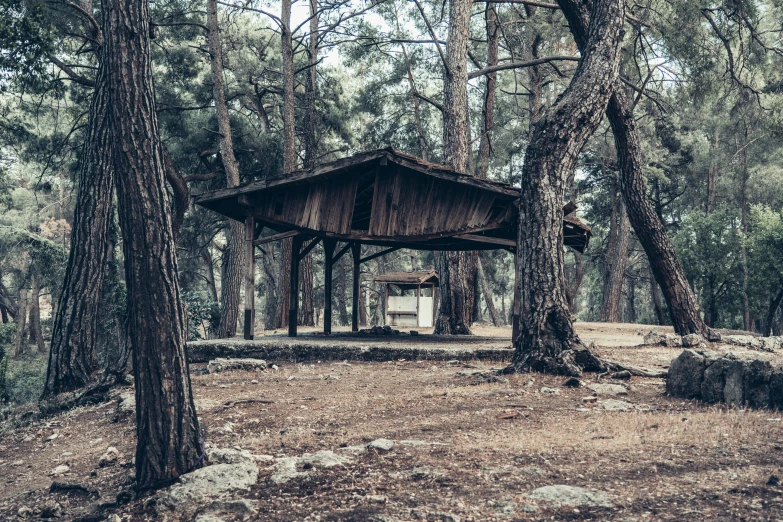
<point>380,197</point>
<point>410,310</point>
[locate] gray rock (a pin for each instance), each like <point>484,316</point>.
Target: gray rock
<point>691,340</point>
<point>622,375</point>
<point>562,495</point>
<point>741,340</point>
<point>232,509</point>
<point>222,365</point>
<point>286,468</point>
<point>381,444</point>
<point>686,374</point>
<point>652,338</point>
<point>608,389</point>
<point>615,405</point>
<point>51,510</point>
<point>671,340</point>
<point>549,391</point>
<point>126,404</point>
<point>738,380</point>
<point>109,458</point>
<point>205,485</point>
<point>230,456</point>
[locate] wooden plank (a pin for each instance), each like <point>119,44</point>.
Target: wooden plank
<point>342,252</point>
<point>311,245</point>
<point>276,237</point>
<point>379,254</point>
<point>487,239</point>
<point>250,279</point>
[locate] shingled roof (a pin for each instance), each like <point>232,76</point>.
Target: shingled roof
<point>385,197</point>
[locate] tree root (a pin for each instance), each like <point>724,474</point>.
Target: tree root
<point>573,362</point>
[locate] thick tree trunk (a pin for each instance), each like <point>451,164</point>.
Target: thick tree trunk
<point>289,155</point>
<point>454,268</point>
<point>630,303</point>
<point>307,310</point>
<point>342,289</point>
<point>209,266</point>
<point>547,340</point>
<point>648,226</point>
<point>75,327</point>
<point>36,334</point>
<point>488,110</point>
<point>168,433</point>
<point>233,278</point>
<point>616,262</point>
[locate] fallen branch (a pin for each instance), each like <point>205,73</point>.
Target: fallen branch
<point>639,371</point>
<point>230,404</point>
<point>64,486</point>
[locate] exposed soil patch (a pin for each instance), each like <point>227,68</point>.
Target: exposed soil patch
<point>474,446</point>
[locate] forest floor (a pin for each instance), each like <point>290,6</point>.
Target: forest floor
<point>476,444</point>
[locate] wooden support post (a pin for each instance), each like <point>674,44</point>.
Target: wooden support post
<point>250,278</point>
<point>356,251</point>
<point>329,246</point>
<point>516,307</point>
<point>418,307</point>
<point>293,298</point>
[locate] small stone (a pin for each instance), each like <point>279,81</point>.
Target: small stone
<point>671,340</point>
<point>60,470</point>
<point>109,458</point>
<point>52,437</point>
<point>691,340</point>
<point>414,332</point>
<point>563,495</point>
<point>608,389</point>
<point>222,365</point>
<point>549,391</point>
<point>51,510</point>
<point>114,518</point>
<point>24,512</point>
<point>18,463</point>
<point>773,480</point>
<point>590,399</point>
<point>572,382</point>
<point>615,405</point>
<point>622,375</point>
<point>652,338</point>
<point>381,444</point>
<point>375,499</point>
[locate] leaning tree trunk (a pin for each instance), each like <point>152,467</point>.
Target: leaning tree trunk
<point>75,327</point>
<point>493,314</point>
<point>233,278</point>
<point>168,433</point>
<point>454,311</point>
<point>547,340</point>
<point>650,230</point>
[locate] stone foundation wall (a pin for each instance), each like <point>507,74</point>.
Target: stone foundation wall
<point>713,377</point>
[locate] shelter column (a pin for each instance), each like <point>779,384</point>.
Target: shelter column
<point>250,278</point>
<point>293,298</point>
<point>418,305</point>
<point>329,245</point>
<point>356,251</point>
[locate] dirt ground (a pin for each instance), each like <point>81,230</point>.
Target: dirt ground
<point>483,442</point>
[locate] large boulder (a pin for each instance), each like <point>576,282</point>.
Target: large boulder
<point>564,495</point>
<point>729,378</point>
<point>224,365</point>
<point>686,374</point>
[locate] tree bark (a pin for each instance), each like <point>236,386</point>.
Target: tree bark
<point>547,340</point>
<point>774,304</point>
<point>746,319</point>
<point>493,314</point>
<point>21,323</point>
<point>573,288</point>
<point>488,110</point>
<point>75,327</point>
<point>648,226</point>
<point>616,262</point>
<point>655,292</point>
<point>289,154</point>
<point>342,289</point>
<point>168,433</point>
<point>454,312</point>
<point>36,334</point>
<point>233,278</point>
